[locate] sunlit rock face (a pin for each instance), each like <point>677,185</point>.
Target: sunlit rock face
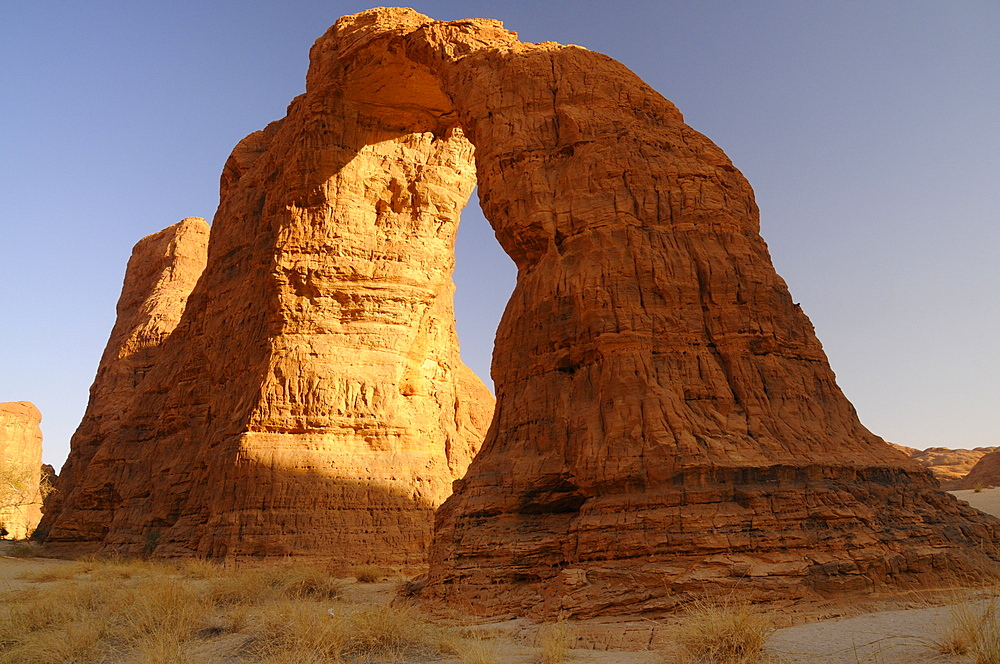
<point>666,423</point>
<point>293,385</point>
<point>20,468</point>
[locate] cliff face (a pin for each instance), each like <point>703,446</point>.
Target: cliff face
<point>667,423</point>
<point>20,468</point>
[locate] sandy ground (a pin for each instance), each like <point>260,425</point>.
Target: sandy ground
<point>891,630</point>
<point>987,500</point>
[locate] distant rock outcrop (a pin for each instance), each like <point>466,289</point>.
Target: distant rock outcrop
<point>20,468</point>
<point>950,466</point>
<point>667,423</point>
<point>986,472</point>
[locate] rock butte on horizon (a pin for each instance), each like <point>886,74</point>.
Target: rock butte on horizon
<point>21,453</point>
<point>666,425</point>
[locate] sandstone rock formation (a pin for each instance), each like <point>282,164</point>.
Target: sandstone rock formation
<point>310,400</point>
<point>667,423</point>
<point>986,472</point>
<point>20,468</point>
<point>162,271</point>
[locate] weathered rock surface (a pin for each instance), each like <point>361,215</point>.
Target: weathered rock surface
<point>667,423</point>
<point>986,472</point>
<point>311,399</point>
<point>20,468</point>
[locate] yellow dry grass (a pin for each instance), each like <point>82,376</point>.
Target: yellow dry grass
<point>726,631</point>
<point>148,611</point>
<point>300,630</point>
<point>555,641</point>
<point>159,612</point>
<point>368,573</point>
<point>475,648</point>
<point>973,630</point>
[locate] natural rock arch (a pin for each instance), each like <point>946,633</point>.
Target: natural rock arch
<point>666,419</point>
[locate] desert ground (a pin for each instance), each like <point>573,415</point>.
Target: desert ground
<point>133,611</point>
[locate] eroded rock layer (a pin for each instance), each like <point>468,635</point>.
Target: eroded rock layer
<point>20,468</point>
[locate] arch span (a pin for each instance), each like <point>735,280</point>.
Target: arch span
<point>666,422</point>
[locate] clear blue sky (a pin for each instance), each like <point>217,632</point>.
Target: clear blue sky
<point>869,130</point>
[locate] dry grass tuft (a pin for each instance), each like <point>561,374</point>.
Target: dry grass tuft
<point>255,585</point>
<point>22,550</point>
<point>368,573</point>
<point>555,641</point>
<point>724,632</point>
<point>973,630</point>
<point>962,632</point>
<point>384,632</point>
<point>475,648</point>
<point>151,610</point>
<point>300,630</point>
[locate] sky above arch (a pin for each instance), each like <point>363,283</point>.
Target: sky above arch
<point>869,131</point>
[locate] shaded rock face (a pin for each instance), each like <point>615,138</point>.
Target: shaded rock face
<point>162,271</point>
<point>310,399</point>
<point>667,423</point>
<point>20,468</point>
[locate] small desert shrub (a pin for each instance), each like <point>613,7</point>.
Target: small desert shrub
<point>555,641</point>
<point>368,573</point>
<point>724,632</point>
<point>22,550</point>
